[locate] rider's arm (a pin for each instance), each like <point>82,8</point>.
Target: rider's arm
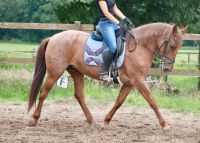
<point>104,8</point>
<point>118,12</point>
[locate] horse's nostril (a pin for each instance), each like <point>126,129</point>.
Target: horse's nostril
<point>166,69</point>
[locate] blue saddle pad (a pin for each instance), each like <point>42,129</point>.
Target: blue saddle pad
<point>93,54</point>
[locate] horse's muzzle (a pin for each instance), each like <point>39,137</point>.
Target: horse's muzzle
<point>165,67</point>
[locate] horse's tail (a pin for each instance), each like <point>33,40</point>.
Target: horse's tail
<point>40,71</point>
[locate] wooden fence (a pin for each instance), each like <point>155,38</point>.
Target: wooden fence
<point>48,26</point>
<point>89,28</point>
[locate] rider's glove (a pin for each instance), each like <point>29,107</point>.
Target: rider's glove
<point>129,23</point>
<point>122,26</point>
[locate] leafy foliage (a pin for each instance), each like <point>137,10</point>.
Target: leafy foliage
<point>68,12</point>
<point>183,12</point>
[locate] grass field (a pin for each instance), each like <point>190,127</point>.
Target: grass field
<point>17,89</point>
<point>181,59</point>
<point>188,100</point>
<point>17,47</point>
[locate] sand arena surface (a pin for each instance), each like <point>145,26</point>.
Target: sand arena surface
<point>64,122</point>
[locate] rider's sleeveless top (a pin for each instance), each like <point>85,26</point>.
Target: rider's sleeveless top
<point>110,4</point>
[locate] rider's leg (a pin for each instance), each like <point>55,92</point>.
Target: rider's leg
<point>108,31</point>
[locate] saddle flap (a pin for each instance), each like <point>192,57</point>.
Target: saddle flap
<point>120,39</point>
<point>93,54</point>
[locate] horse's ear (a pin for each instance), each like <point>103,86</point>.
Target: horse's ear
<point>184,30</point>
<point>175,29</point>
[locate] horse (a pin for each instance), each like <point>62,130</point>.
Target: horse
<point>64,51</point>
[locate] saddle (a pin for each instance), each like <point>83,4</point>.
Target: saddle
<point>120,39</point>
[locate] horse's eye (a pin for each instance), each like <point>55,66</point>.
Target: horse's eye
<point>173,47</point>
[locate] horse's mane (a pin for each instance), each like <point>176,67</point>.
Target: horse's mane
<point>151,31</point>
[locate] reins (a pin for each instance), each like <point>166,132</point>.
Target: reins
<point>131,36</point>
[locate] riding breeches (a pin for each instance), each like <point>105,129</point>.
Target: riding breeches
<point>107,29</point>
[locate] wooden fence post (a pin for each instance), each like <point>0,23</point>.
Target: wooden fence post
<point>77,25</point>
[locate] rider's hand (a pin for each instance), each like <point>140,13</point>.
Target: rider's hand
<point>122,26</point>
<point>129,23</point>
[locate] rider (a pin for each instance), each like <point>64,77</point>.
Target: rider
<point>107,25</point>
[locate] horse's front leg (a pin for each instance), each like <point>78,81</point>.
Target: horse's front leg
<point>146,93</point>
<point>125,90</point>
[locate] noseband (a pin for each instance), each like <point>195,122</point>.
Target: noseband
<point>164,53</point>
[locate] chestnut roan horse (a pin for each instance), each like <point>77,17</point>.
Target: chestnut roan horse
<point>64,51</point>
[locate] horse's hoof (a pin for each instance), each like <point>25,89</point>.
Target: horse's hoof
<point>90,122</point>
<point>95,125</point>
<point>32,123</point>
<point>106,125</point>
<point>166,127</point>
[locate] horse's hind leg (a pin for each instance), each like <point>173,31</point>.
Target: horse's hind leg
<point>125,90</point>
<point>50,81</point>
<point>146,93</point>
<point>78,93</point>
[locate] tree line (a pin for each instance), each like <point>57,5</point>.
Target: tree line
<point>182,12</point>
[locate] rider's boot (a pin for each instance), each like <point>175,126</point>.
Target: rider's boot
<point>107,60</point>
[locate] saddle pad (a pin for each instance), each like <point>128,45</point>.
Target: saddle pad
<point>93,54</point>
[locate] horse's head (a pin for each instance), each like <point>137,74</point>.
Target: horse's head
<point>170,46</point>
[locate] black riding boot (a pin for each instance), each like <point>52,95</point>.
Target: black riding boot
<point>107,60</point>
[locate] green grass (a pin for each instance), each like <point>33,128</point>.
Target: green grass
<point>188,100</point>
<point>17,90</point>
<point>17,47</point>
<point>182,60</point>
<point>175,103</point>
<point>187,85</point>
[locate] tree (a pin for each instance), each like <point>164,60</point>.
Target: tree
<point>26,11</point>
<point>11,10</point>
<point>183,12</point>
<point>70,11</point>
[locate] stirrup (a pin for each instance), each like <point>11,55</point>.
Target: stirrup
<point>104,76</point>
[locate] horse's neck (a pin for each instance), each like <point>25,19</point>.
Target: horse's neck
<point>151,34</point>
<point>152,46</point>
<point>149,41</point>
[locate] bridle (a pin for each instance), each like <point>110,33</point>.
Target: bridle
<point>164,53</point>
<point>157,52</point>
